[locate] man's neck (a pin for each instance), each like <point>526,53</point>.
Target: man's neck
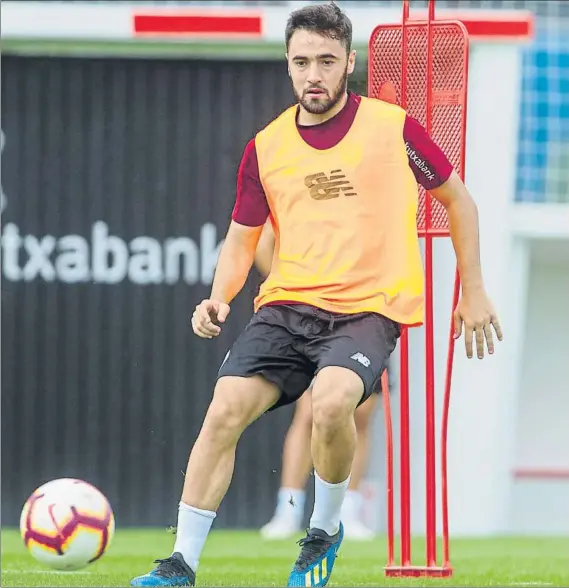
<point>308,119</point>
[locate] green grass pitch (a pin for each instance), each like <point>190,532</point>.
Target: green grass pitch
<point>242,558</point>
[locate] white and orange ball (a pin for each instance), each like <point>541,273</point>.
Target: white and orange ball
<point>67,524</point>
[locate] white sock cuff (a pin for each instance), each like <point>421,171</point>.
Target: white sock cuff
<point>284,491</point>
<point>210,514</point>
<point>343,484</point>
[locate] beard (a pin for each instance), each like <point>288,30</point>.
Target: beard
<point>327,101</point>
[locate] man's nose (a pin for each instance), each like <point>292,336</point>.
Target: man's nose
<point>314,76</point>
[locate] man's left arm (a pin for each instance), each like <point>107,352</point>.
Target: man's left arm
<point>474,309</point>
<point>435,173</point>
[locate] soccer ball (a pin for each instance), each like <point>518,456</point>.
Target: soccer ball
<point>67,524</point>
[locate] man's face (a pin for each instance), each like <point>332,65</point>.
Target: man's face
<point>319,69</point>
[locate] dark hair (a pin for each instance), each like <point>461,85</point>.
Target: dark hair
<point>324,19</point>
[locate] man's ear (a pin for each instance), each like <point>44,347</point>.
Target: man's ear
<point>351,61</point>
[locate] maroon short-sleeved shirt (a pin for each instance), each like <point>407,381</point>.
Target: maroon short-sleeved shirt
<point>427,161</point>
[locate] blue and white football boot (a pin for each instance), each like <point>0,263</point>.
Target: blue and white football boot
<point>172,571</point>
<point>316,560</point>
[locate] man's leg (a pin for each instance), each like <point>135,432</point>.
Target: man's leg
<point>335,396</point>
<point>236,403</point>
<point>261,372</point>
<point>351,351</point>
<point>296,465</point>
<point>354,527</point>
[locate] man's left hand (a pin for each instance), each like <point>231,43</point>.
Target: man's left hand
<point>478,315</point>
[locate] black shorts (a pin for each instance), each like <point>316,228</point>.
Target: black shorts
<point>289,344</point>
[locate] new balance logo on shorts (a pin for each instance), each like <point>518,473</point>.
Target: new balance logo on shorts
<point>322,187</point>
<point>361,358</point>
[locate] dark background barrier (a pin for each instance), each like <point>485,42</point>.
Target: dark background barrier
<point>119,180</point>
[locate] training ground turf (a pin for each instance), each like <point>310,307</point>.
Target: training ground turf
<point>243,559</point>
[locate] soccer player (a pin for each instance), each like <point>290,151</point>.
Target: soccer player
<point>346,274</point>
<point>296,460</point>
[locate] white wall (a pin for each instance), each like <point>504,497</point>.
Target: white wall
<point>540,504</point>
<point>538,411</point>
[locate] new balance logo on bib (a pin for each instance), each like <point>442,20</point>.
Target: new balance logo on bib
<point>322,187</point>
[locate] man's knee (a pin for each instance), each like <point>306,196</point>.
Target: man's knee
<point>335,395</point>
<point>237,402</point>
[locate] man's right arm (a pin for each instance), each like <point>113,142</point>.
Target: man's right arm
<point>235,261</point>
<point>249,215</point>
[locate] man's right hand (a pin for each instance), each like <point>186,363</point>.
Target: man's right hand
<point>207,317</point>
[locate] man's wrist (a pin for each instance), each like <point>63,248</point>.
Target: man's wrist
<point>472,286</point>
<point>219,297</point>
